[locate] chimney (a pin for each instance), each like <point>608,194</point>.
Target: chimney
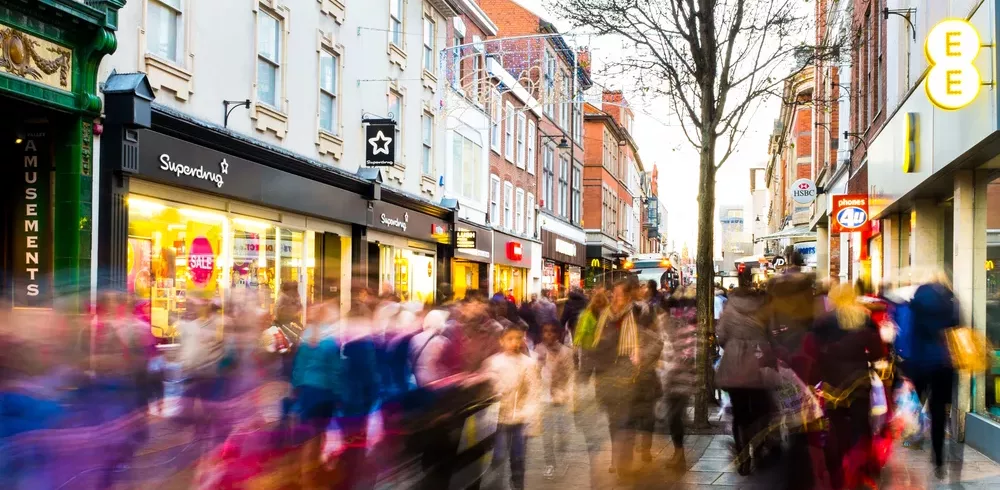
<point>613,104</point>
<point>583,59</point>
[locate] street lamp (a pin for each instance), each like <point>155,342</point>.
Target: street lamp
<point>563,142</point>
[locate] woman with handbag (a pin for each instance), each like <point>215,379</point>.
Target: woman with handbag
<point>929,365</point>
<point>615,361</point>
<point>742,334</point>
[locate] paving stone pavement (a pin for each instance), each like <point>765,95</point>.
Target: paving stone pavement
<point>709,464</point>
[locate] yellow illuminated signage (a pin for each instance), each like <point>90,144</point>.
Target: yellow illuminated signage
<point>951,47</point>
<point>910,147</point>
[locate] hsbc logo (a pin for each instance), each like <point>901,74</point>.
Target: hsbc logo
<point>803,191</point>
<point>804,185</point>
<point>852,217</point>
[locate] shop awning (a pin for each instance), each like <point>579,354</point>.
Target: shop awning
<point>794,232</point>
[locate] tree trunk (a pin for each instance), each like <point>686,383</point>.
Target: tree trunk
<point>706,276</point>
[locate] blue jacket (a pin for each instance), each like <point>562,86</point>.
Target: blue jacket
<point>318,366</point>
<point>933,310</point>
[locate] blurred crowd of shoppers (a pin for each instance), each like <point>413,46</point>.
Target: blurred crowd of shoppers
<point>807,369</point>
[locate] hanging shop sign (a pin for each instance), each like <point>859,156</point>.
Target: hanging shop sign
<point>32,224</point>
<point>910,145</point>
<point>804,191</point>
<point>951,48</point>
<point>380,150</point>
<point>850,214</point>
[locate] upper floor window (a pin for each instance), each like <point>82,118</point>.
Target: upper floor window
<point>328,114</point>
<point>576,209</point>
<point>467,170</point>
<point>165,29</point>
<point>495,120</point>
<point>396,113</point>
<point>427,156</point>
<point>494,211</point>
<point>548,176</point>
<point>529,217</point>
<point>566,101</point>
<point>508,147</point>
<point>549,84</point>
<point>563,186</point>
<point>508,203</point>
<point>429,61</point>
<point>475,89</point>
<point>520,139</point>
<point>456,62</point>
<point>531,147</point>
<point>396,22</point>
<point>268,59</point>
<point>519,210</point>
<point>578,119</point>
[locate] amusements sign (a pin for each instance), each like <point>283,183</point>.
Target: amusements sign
<point>32,259</point>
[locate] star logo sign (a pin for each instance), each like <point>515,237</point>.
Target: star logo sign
<point>225,166</point>
<point>380,143</point>
<point>406,216</point>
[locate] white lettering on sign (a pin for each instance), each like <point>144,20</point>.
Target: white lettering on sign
<point>565,248</point>
<point>851,202</point>
<point>951,47</point>
<point>31,228</point>
<point>396,222</point>
<point>199,172</point>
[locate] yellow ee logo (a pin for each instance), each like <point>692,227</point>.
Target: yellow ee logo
<point>951,48</point>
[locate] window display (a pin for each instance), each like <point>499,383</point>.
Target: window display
<point>407,273</point>
<point>993,291</point>
<point>176,252</point>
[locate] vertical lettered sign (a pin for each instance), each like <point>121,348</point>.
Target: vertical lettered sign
<point>32,223</point>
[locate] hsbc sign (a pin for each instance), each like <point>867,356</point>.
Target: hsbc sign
<point>804,191</point>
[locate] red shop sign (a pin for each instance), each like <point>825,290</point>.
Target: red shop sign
<point>514,251</point>
<point>849,214</point>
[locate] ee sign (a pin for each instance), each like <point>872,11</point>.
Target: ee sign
<point>849,213</point>
<point>804,191</point>
<point>951,47</point>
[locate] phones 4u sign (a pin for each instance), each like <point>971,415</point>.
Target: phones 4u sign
<point>849,214</point>
<point>380,142</point>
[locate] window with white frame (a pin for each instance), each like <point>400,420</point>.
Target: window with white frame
<point>508,145</point>
<point>520,139</point>
<point>494,200</point>
<point>427,157</point>
<point>495,109</point>
<point>566,104</point>
<point>576,203</point>
<point>328,79</point>
<point>508,206</point>
<point>466,173</point>
<point>532,137</point>
<point>396,113</point>
<point>530,216</point>
<point>578,119</point>
<point>165,29</point>
<point>456,62</point>
<point>563,186</point>
<point>430,64</point>
<point>396,22</point>
<point>475,90</point>
<point>519,211</point>
<point>549,84</point>
<point>548,177</point>
<point>268,59</point>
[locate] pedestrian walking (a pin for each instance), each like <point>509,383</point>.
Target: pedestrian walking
<point>648,390</point>
<point>557,372</point>
<point>516,380</point>
<point>680,325</point>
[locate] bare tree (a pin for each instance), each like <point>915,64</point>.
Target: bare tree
<point>715,62</point>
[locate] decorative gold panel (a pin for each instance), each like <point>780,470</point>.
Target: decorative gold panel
<point>27,56</point>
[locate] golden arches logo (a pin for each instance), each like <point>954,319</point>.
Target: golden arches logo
<point>951,47</point>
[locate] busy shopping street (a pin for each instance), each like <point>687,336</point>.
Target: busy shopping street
<point>499,244</point>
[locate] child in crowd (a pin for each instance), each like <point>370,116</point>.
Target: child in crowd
<point>555,364</point>
<point>515,377</point>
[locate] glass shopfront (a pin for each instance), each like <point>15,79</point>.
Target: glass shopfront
<point>510,281</point>
<point>408,273</point>
<point>992,284</point>
<point>512,258</point>
<point>177,252</point>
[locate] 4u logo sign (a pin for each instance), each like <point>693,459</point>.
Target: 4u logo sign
<point>852,217</point>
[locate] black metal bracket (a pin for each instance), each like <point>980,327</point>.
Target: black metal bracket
<point>369,118</point>
<point>229,110</point>
<point>905,14</point>
<point>858,137</point>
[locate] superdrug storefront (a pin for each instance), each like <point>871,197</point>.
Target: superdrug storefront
<point>189,212</point>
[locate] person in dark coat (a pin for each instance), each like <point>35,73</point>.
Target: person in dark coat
<point>648,390</point>
<point>929,365</point>
<point>575,304</point>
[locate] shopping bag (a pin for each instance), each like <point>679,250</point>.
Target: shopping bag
<point>880,407</point>
<point>969,349</point>
<point>909,417</point>
<point>797,403</point>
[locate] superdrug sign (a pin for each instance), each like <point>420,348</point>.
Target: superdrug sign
<point>380,142</point>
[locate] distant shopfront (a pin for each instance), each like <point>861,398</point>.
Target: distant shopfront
<point>403,251</point>
<point>563,260</point>
<point>470,269</point>
<point>512,259</point>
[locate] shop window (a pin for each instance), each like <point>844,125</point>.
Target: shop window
<point>408,274</point>
<point>992,272</point>
<point>177,252</point>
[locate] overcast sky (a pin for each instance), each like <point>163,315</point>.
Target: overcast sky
<point>662,143</point>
